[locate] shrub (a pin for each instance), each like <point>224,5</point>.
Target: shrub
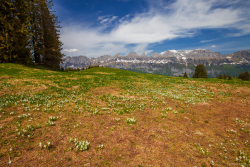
<point>200,71</point>
<point>224,77</point>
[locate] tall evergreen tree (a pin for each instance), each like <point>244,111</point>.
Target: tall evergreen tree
<point>200,72</point>
<point>185,75</point>
<point>50,32</point>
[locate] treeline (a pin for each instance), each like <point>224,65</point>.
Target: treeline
<point>243,76</point>
<point>227,77</point>
<point>29,33</point>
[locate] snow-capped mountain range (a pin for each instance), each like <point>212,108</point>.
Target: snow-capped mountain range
<point>172,58</point>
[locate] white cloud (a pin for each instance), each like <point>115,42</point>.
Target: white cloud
<point>181,19</point>
<point>213,46</point>
<point>70,50</point>
<point>209,40</point>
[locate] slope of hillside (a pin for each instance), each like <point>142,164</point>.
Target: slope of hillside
<point>111,117</point>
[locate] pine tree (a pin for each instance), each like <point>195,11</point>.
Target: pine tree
<point>246,76</point>
<point>241,76</point>
<point>200,72</point>
<point>185,75</point>
<point>51,52</point>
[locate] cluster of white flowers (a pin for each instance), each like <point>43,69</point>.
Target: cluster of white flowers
<point>242,158</point>
<point>204,152</point>
<point>175,112</point>
<point>30,128</point>
<point>46,145</point>
<point>131,120</point>
<point>50,123</point>
<point>96,111</point>
<point>84,145</point>
<point>168,109</point>
<point>163,115</point>
<point>232,131</point>
<point>24,115</point>
<point>116,119</point>
<point>76,125</point>
<point>51,118</point>
<point>101,146</point>
<point>26,132</point>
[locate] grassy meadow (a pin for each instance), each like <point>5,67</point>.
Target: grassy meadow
<point>111,117</point>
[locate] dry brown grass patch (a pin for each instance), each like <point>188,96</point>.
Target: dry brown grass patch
<point>89,76</point>
<point>106,90</point>
<point>5,77</point>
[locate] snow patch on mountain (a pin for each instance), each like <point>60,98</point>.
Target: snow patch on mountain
<point>174,51</point>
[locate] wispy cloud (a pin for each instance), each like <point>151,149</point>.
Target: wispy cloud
<point>70,50</point>
<point>213,46</point>
<point>106,21</point>
<point>180,19</point>
<point>209,40</point>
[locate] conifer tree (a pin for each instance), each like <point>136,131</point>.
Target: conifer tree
<point>244,76</point>
<point>220,76</point>
<point>200,72</point>
<point>185,75</point>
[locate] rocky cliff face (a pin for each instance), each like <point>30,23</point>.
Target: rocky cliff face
<point>171,62</point>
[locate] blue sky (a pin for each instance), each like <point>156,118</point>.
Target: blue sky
<point>97,27</point>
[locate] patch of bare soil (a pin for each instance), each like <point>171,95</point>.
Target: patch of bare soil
<point>75,87</point>
<point>203,103</point>
<point>242,90</point>
<point>34,89</point>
